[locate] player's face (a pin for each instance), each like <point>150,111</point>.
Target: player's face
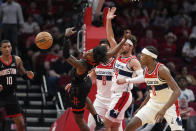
<point>144,59</point>
<point>125,49</point>
<point>6,48</point>
<point>89,55</point>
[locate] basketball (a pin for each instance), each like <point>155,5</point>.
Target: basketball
<point>43,40</point>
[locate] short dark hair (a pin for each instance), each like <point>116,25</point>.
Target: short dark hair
<point>104,41</point>
<point>100,54</point>
<point>182,77</point>
<point>133,40</point>
<point>152,49</point>
<point>4,41</point>
<point>181,68</point>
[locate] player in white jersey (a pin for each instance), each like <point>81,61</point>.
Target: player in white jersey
<point>126,66</point>
<point>162,99</point>
<point>102,76</point>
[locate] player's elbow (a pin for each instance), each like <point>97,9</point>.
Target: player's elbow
<point>177,92</point>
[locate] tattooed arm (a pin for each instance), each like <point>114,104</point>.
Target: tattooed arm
<point>69,58</point>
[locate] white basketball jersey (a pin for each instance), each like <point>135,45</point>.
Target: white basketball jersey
<point>104,80</point>
<point>159,89</point>
<point>121,70</point>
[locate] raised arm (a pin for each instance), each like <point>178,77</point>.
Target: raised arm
<point>165,75</point>
<point>69,58</point>
<point>117,48</point>
<point>109,30</point>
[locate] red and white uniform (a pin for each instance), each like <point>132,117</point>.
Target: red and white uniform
<point>160,94</point>
<point>103,97</point>
<point>121,95</point>
<point>104,82</point>
<point>122,70</point>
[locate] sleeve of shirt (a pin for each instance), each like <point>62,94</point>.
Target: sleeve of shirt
<point>20,15</point>
<point>192,97</point>
<point>185,48</point>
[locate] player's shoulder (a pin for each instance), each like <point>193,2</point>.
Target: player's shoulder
<point>17,58</point>
<point>133,60</point>
<point>163,68</point>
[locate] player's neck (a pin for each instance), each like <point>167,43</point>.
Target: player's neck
<point>6,57</point>
<point>151,66</point>
<point>127,55</point>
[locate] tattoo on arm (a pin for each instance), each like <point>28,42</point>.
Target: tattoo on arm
<point>74,62</point>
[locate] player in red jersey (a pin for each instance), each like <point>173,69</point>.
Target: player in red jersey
<point>162,99</point>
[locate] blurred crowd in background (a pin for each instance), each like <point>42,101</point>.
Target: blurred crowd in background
<point>169,25</point>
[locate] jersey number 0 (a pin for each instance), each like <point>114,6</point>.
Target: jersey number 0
<point>9,80</point>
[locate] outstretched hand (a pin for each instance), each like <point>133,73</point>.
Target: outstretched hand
<point>30,74</point>
<point>110,14</point>
<point>69,31</point>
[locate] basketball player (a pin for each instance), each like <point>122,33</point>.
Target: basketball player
<point>126,66</point>
<point>9,66</point>
<point>80,82</point>
<point>161,101</point>
<point>102,76</point>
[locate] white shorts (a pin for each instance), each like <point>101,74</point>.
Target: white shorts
<point>101,110</point>
<point>147,115</point>
<point>120,103</point>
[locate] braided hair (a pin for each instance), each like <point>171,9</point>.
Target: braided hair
<point>100,54</point>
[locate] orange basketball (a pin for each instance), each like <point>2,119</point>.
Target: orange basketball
<point>43,40</point>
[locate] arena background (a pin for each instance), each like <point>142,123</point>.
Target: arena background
<point>153,22</point>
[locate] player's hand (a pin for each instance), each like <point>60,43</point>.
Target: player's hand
<point>67,87</point>
<point>30,74</point>
<point>160,115</point>
<point>69,31</point>
<point>111,12</point>
<point>120,81</point>
<point>1,87</point>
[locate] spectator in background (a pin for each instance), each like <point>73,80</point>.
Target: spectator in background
<point>148,40</point>
<point>10,15</point>
<point>29,25</point>
<point>52,56</point>
<point>189,48</point>
<point>182,30</point>
<point>185,93</point>
<point>141,18</point>
<point>163,19</point>
<point>168,48</point>
<point>184,73</point>
<point>57,36</point>
<point>35,12</point>
<point>58,74</point>
<point>32,51</point>
<point>172,69</point>
<point>185,112</point>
